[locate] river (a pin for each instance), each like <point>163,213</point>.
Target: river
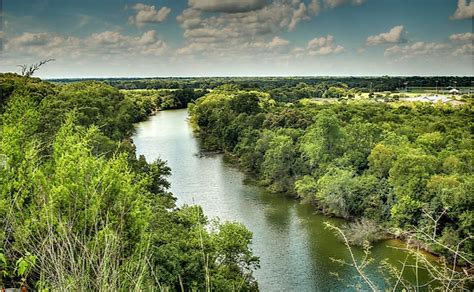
<point>295,249</point>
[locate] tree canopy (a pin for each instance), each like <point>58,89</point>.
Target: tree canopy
<point>397,164</point>
<point>81,212</point>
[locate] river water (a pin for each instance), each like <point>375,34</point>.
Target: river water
<point>295,249</point>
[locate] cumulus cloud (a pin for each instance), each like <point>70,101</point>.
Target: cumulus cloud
<point>462,37</point>
<point>418,48</point>
<point>2,37</point>
<point>42,44</point>
<point>270,47</point>
<point>464,10</point>
<point>323,46</point>
<point>433,50</point>
<point>108,38</point>
<point>278,42</point>
<point>46,45</point>
<point>227,6</point>
<point>249,49</point>
<point>114,42</point>
<point>467,49</point>
<point>31,39</point>
<point>314,7</point>
<point>148,14</point>
<point>336,3</point>
<point>222,32</point>
<point>298,15</point>
<point>395,35</point>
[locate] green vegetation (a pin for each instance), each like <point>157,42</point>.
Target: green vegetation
<point>289,89</point>
<point>406,167</point>
<point>165,99</point>
<point>383,83</point>
<point>81,212</point>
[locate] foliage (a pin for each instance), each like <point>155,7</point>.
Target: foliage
<point>445,275</point>
<point>164,99</point>
<point>362,231</point>
<point>287,88</point>
<point>387,163</point>
<point>79,214</point>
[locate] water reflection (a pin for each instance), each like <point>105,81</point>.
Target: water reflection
<point>294,247</point>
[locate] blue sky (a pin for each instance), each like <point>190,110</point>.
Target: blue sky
<point>115,38</point>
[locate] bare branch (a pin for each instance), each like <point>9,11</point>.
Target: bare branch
<point>354,261</point>
<point>29,70</point>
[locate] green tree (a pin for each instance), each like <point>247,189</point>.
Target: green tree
<point>278,163</point>
<point>323,141</point>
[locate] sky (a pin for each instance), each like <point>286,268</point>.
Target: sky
<point>148,38</point>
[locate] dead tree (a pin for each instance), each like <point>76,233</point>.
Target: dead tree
<point>29,70</point>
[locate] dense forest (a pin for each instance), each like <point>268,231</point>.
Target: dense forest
<point>81,212</point>
<point>237,145</point>
<point>166,98</point>
<point>178,92</point>
<point>406,167</point>
<point>384,83</point>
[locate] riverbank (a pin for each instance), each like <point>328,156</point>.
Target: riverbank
<point>294,247</point>
<point>70,181</point>
<point>382,234</point>
<point>370,161</point>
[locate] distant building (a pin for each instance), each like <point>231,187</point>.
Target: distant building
<point>454,91</point>
<point>434,99</point>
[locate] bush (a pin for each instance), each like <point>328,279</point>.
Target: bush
<point>362,231</point>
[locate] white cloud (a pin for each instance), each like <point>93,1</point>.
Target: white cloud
<point>467,49</point>
<point>314,7</point>
<point>323,46</point>
<point>40,44</point>
<point>464,10</point>
<point>228,6</point>
<point>462,37</point>
<point>31,39</point>
<point>336,3</point>
<point>278,42</point>
<point>148,14</point>
<point>298,52</point>
<point>272,47</point>
<point>298,15</point>
<point>433,51</point>
<point>247,50</point>
<point>395,35</point>
<point>2,37</point>
<point>108,38</point>
<point>320,42</point>
<point>117,43</point>
<point>239,33</point>
<point>148,38</point>
<point>418,48</point>
<point>108,43</point>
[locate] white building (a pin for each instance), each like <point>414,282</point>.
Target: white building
<point>434,99</point>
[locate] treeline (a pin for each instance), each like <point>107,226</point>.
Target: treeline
<point>165,99</point>
<point>80,212</point>
<point>305,91</point>
<point>406,167</point>
<point>365,84</point>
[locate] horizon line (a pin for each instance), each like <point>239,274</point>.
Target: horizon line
<point>248,76</point>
